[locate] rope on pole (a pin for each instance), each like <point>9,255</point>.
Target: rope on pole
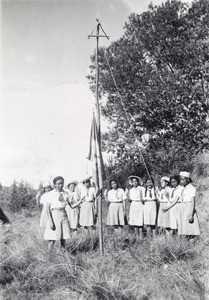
<point>126,114</point>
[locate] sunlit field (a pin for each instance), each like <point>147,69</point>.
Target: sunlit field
<point>151,268</point>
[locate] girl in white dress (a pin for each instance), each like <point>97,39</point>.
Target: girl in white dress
<point>150,206</point>
<point>58,227</point>
<point>176,191</point>
<point>187,220</point>
<point>116,211</point>
<point>43,219</point>
<point>163,195</point>
<point>136,213</point>
<point>72,213</point>
<point>89,206</point>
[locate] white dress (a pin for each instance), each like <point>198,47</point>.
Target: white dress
<point>116,209</point>
<point>175,192</point>
<point>57,201</point>
<point>44,217</point>
<point>184,206</point>
<point>136,213</point>
<point>163,219</point>
<point>87,209</point>
<point>72,213</point>
<point>150,207</point>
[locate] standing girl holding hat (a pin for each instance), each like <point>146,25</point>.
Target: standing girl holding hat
<point>136,213</point>
<point>116,211</point>
<point>163,195</point>
<point>150,206</point>
<point>58,227</point>
<point>72,213</point>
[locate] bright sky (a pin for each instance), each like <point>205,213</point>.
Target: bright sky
<point>46,105</point>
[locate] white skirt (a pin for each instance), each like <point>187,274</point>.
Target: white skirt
<point>184,227</point>
<point>115,214</point>
<point>73,214</point>
<point>87,217</point>
<point>163,219</point>
<point>43,218</point>
<point>150,213</point>
<point>136,213</point>
<point>173,217</point>
<point>62,227</point>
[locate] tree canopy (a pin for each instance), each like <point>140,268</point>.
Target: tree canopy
<point>161,69</point>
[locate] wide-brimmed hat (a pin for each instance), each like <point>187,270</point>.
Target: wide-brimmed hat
<point>72,182</point>
<point>184,174</point>
<point>86,179</point>
<point>46,184</point>
<point>166,178</point>
<point>137,177</point>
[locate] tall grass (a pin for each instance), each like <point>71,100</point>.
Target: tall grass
<point>157,268</point>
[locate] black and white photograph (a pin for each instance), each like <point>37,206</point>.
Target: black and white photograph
<point>104,150</point>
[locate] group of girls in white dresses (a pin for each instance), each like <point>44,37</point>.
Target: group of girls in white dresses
<point>170,208</point>
<point>66,209</point>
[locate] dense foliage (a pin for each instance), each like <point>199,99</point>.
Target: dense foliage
<point>17,196</point>
<point>159,105</point>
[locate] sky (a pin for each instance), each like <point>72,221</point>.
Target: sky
<point>46,104</point>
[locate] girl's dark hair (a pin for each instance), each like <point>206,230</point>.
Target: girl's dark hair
<point>136,179</point>
<point>176,177</point>
<point>115,180</point>
<point>48,186</point>
<point>145,181</point>
<point>58,178</point>
<point>149,178</point>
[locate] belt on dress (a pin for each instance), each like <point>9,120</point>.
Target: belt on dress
<point>116,201</point>
<point>149,200</point>
<point>58,208</point>
<point>136,200</point>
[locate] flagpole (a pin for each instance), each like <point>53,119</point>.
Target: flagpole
<point>97,106</point>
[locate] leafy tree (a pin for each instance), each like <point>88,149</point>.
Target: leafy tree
<point>13,198</point>
<point>18,196</point>
<point>161,70</point>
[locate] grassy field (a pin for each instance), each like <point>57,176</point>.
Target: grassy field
<point>158,268</point>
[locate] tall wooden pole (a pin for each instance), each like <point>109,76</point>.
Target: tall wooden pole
<point>97,106</point>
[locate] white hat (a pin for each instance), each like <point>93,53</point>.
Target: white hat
<point>75,182</point>
<point>46,184</point>
<point>166,178</point>
<point>86,179</point>
<point>137,177</point>
<point>185,174</point>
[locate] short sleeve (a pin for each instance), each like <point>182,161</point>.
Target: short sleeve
<point>109,195</point>
<point>94,192</point>
<point>42,199</point>
<point>192,191</point>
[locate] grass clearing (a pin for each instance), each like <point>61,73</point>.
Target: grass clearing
<point>157,268</point>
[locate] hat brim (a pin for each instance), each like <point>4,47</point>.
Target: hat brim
<point>72,182</point>
<point>86,179</point>
<point>133,176</point>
